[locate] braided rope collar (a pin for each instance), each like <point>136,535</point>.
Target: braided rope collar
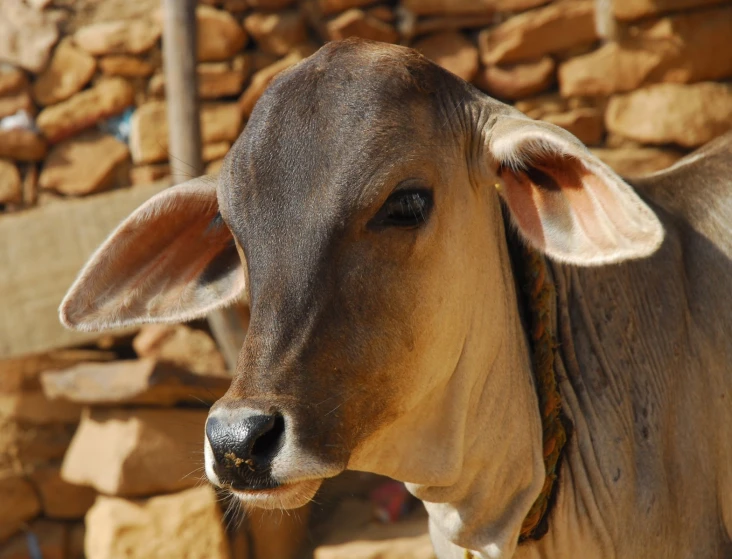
<point>540,302</point>
<point>538,298</point>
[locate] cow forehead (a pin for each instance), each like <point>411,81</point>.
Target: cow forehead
<point>335,126</point>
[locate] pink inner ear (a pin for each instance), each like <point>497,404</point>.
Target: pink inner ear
<point>550,197</point>
<point>518,193</point>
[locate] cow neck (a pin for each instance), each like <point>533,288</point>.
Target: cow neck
<point>538,301</point>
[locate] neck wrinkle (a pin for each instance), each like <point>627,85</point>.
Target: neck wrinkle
<point>502,469</point>
<point>472,448</point>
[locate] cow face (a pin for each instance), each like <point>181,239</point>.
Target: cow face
<point>358,214</point>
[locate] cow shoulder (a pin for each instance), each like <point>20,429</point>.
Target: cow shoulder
<point>697,190</point>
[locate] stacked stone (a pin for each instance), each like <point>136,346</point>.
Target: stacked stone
<point>640,100</point>
<point>117,442</point>
<point>98,447</point>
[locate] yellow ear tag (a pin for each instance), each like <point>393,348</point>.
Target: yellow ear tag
<point>497,186</point>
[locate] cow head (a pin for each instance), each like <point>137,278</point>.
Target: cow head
<point>359,215</point>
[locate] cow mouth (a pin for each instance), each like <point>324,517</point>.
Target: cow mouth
<point>280,496</point>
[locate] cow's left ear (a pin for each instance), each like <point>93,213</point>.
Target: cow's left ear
<point>172,260</point>
<point>565,201</point>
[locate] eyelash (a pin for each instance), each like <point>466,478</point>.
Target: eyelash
<point>406,209</point>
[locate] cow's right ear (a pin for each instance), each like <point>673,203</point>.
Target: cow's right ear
<point>172,260</point>
<point>563,200</point>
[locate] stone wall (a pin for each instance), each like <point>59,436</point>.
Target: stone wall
<point>112,432</point>
<point>82,94</point>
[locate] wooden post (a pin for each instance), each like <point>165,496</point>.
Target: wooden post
<point>184,120</point>
<point>184,136</point>
<point>605,24</point>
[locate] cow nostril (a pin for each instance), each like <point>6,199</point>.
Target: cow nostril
<point>243,447</point>
<point>268,442</point>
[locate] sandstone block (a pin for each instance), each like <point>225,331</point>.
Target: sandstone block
<point>517,81</point>
<point>136,452</point>
<point>551,103</point>
<point>452,51</point>
<point>119,37</point>
<point>149,133</point>
<point>23,373</point>
<point>20,503</point>
<point>269,4</point>
<point>29,444</point>
<point>186,524</point>
<point>220,122</point>
<point>214,168</point>
<point>22,145</point>
<point>216,150</point>
<point>215,79</point>
<point>69,71</point>
<point>682,49</point>
<point>219,35</point>
<point>222,79</point>
<point>108,97</point>
<point>636,162</point>
<point>586,123</point>
<point>83,164</point>
<point>410,26</point>
<point>34,407</point>
<point>261,79</point>
<point>612,68</point>
<point>125,66</point>
<point>357,23</point>
<point>354,537</point>
<point>141,381</point>
<point>636,9</point>
<point>145,174</point>
<point>687,115</point>
<point>328,7</point>
<point>30,186</point>
<point>547,30</point>
<point>26,35</point>
<point>277,33</point>
<point>182,346</point>
<point>11,79</point>
<point>10,185</point>
<point>149,128</point>
<point>51,539</point>
<point>449,7</point>
<point>518,5</point>
<point>60,499</point>
<point>382,12</point>
<point>14,102</point>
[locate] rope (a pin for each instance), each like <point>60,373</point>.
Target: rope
<point>539,297</point>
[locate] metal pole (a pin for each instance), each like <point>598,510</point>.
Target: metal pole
<point>184,137</point>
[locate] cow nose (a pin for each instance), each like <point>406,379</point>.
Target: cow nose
<point>244,444</point>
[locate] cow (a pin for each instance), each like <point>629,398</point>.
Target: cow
<point>367,215</point>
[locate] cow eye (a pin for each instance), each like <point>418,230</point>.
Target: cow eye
<point>405,208</point>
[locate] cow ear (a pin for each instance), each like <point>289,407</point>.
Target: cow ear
<point>564,201</point>
<point>172,260</point>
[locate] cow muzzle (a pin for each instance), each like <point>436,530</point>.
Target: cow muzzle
<point>243,448</point>
<point>250,453</point>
